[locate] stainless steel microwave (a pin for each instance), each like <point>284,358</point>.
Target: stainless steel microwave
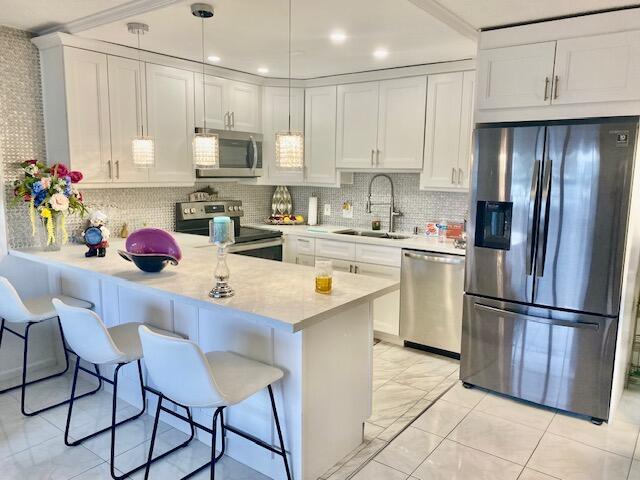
<point>240,155</point>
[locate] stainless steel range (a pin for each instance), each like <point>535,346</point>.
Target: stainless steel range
<point>550,204</point>
<point>193,218</point>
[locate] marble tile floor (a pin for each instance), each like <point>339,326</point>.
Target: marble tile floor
<point>476,435</point>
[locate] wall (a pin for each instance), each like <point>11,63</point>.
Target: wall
<point>417,207</point>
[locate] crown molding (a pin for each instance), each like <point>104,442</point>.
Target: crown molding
<point>433,8</point>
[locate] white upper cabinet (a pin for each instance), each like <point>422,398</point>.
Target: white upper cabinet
<point>320,135</point>
<point>381,124</point>
<point>244,107</point>
<point>519,76</point>
<point>276,119</point>
<point>357,125</point>
<point>128,114</point>
<point>87,115</point>
<point>599,68</point>
<point>447,147</point>
<point>170,100</point>
<point>401,123</point>
<point>216,107</point>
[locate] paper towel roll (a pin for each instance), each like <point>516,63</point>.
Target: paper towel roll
<point>312,217</point>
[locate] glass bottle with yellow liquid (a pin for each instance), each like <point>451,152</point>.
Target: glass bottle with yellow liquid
<point>324,276</point>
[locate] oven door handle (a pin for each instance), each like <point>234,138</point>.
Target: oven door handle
<point>255,154</point>
<point>245,247</point>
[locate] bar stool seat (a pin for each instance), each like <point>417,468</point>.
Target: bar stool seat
<point>41,308</point>
<point>239,377</point>
<point>127,340</point>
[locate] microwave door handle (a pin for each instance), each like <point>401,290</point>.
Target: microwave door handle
<point>533,207</point>
<point>541,252</point>
<point>255,154</point>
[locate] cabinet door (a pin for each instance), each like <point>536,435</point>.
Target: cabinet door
<point>127,112</point>
<point>339,265</point>
<point>320,135</point>
<point>442,132</point>
<point>466,129</point>
<point>214,93</point>
<point>171,123</point>
<point>357,129</point>
<point>87,91</point>
<point>244,102</point>
<point>276,119</point>
<point>401,123</point>
<point>307,260</point>
<point>602,68</point>
<point>517,76</point>
<point>386,309</point>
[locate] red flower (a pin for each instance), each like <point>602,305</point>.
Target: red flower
<point>59,170</point>
<point>27,197</point>
<point>31,162</point>
<point>75,176</point>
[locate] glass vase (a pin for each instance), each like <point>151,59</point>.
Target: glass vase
<point>53,242</point>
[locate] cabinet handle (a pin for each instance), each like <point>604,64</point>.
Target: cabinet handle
<point>233,119</point>
<point>296,260</point>
<point>372,153</point>
<point>555,86</point>
<point>226,120</point>
<point>453,175</point>
<point>350,268</point>
<point>460,176</point>
<point>357,269</point>
<point>377,158</point>
<point>110,169</point>
<point>546,88</point>
<point>117,168</point>
<point>304,240</point>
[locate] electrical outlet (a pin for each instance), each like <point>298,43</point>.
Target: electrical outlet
<point>327,209</point>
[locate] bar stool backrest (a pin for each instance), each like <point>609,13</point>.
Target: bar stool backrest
<point>11,307</point>
<point>87,335</point>
<point>180,370</point>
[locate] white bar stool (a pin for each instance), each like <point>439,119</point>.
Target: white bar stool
<point>192,379</point>
<point>30,312</point>
<point>95,343</point>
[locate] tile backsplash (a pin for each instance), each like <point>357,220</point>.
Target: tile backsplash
<point>22,137</point>
<point>417,207</point>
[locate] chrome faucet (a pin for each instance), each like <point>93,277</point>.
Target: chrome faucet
<point>392,211</point>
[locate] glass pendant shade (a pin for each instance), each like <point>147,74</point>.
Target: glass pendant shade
<point>142,149</point>
<point>206,151</point>
<point>290,151</point>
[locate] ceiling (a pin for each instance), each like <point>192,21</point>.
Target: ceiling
<point>249,34</point>
<point>38,15</point>
<point>491,13</point>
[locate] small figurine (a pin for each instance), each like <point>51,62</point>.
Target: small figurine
<point>124,231</point>
<point>96,236</point>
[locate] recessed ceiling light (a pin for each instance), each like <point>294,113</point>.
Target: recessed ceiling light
<point>338,37</point>
<point>381,53</point>
<point>213,58</point>
<point>263,70</point>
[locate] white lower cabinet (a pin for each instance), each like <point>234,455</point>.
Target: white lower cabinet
<point>347,257</point>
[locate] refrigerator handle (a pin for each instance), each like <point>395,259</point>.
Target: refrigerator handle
<point>531,318</point>
<point>533,208</point>
<point>541,252</point>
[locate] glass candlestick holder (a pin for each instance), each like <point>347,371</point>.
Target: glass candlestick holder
<point>221,234</point>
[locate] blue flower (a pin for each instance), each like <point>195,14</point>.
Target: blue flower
<point>36,189</point>
<point>39,197</point>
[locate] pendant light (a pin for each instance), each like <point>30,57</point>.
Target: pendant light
<point>206,150</point>
<point>289,145</point>
<point>142,147</point>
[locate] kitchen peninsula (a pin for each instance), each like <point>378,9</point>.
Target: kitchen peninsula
<point>322,342</point>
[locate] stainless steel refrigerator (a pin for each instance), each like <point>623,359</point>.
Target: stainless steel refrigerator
<point>548,220</point>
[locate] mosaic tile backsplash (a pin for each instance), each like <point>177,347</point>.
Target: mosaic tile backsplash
<point>417,207</point>
<point>22,136</point>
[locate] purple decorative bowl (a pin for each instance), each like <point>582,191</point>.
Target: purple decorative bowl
<point>153,241</point>
<point>148,262</point>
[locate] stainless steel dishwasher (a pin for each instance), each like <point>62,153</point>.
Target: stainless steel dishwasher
<point>431,289</point>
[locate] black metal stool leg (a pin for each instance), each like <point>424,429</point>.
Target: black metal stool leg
<point>275,417</point>
<point>153,437</point>
<point>213,444</point>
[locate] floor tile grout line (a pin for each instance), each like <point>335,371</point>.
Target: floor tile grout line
<point>633,455</point>
<point>538,444</point>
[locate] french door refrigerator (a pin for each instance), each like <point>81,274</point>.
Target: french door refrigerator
<point>548,218</point>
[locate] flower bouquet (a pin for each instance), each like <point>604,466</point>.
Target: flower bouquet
<point>52,195</point>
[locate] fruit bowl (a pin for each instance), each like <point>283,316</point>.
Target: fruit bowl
<point>149,262</point>
<point>285,220</point>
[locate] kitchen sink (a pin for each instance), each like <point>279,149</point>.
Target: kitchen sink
<point>369,233</point>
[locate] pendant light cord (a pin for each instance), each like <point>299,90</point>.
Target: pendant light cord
<point>204,92</point>
<point>289,66</point>
<point>140,89</point>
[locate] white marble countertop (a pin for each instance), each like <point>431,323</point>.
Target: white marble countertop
<point>415,242</point>
<point>280,294</point>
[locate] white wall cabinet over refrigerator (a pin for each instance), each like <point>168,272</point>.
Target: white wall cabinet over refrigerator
<point>231,105</point>
<point>448,132</point>
<point>590,69</point>
<point>381,124</point>
<point>171,122</point>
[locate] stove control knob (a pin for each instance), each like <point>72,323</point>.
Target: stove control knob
<point>232,208</point>
<point>240,208</point>
<point>193,210</point>
<point>186,210</point>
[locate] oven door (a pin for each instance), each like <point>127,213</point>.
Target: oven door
<point>240,155</point>
<point>268,249</point>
